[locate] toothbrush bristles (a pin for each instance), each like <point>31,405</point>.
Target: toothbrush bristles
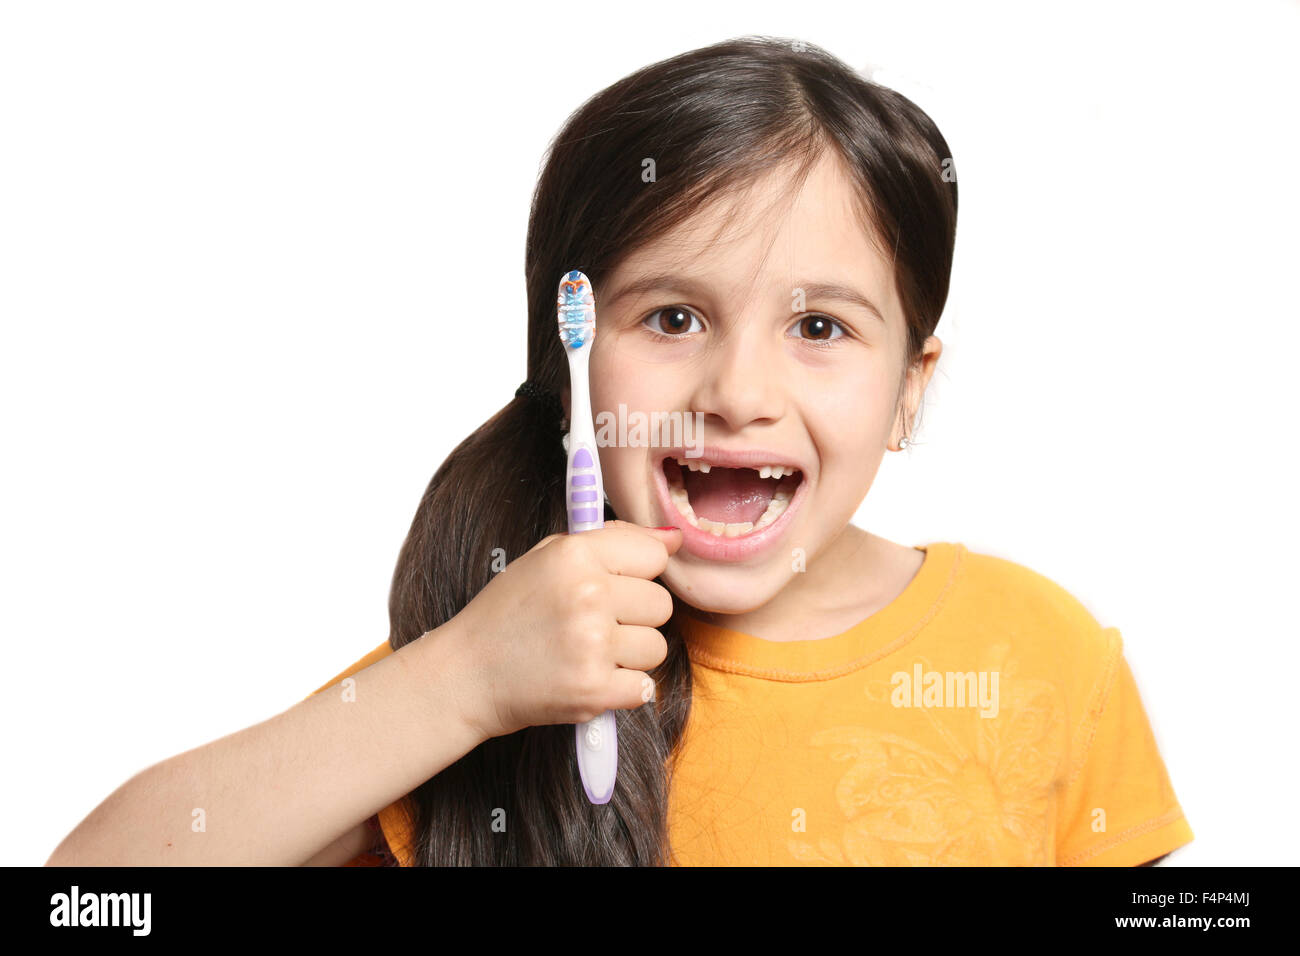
<point>576,310</point>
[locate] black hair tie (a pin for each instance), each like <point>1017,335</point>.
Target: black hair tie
<point>543,397</point>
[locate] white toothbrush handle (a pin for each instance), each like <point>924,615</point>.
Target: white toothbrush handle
<point>597,739</point>
<point>597,742</point>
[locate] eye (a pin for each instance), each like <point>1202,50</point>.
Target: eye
<point>672,321</point>
<point>819,328</point>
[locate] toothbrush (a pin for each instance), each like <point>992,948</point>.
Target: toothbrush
<point>597,739</point>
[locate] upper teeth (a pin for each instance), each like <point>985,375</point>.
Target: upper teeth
<point>765,471</point>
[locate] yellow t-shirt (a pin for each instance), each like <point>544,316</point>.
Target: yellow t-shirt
<point>983,717</point>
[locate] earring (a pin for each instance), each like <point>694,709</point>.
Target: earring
<point>903,443</point>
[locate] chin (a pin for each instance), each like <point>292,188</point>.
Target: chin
<point>719,590</point>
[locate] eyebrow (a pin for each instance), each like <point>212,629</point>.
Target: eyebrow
<point>693,288</point>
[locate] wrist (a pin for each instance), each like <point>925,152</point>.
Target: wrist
<point>448,667</point>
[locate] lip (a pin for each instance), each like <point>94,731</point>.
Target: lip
<point>701,543</point>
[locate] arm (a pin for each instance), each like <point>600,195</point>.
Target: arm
<point>295,788</point>
<point>351,845</point>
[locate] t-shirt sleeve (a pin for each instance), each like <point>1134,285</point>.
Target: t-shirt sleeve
<point>381,855</point>
<point>1119,807</point>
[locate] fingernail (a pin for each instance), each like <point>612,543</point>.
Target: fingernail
<point>669,527</point>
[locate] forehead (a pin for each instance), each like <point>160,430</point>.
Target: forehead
<point>766,239</point>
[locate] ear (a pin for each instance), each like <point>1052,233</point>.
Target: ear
<point>914,386</point>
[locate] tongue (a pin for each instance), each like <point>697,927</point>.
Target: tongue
<point>729,495</point>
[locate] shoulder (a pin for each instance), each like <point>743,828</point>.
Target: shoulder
<point>1015,590</point>
<point>1007,599</point>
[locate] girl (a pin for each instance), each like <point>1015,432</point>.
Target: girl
<point>770,238</point>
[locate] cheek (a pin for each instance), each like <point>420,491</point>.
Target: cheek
<point>623,471</point>
<point>613,378</point>
<point>619,377</point>
<point>613,384</point>
<point>864,400</point>
<point>853,422</point>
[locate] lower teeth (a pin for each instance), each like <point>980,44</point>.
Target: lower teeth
<point>775,508</point>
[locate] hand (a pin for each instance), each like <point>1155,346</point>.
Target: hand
<point>568,629</point>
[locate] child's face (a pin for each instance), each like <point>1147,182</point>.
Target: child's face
<point>772,378</point>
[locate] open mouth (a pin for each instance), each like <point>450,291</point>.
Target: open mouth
<point>729,502</point>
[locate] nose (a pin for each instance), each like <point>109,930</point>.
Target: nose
<point>740,381</point>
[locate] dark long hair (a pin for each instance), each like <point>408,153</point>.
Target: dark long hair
<point>713,120</point>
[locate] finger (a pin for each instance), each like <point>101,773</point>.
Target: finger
<point>632,550</point>
<point>639,648</point>
<point>639,601</point>
<point>630,689</point>
<point>544,542</point>
<point>671,536</point>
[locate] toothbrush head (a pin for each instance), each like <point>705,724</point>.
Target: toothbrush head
<point>576,310</point>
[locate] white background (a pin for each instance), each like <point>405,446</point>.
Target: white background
<point>235,241</point>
